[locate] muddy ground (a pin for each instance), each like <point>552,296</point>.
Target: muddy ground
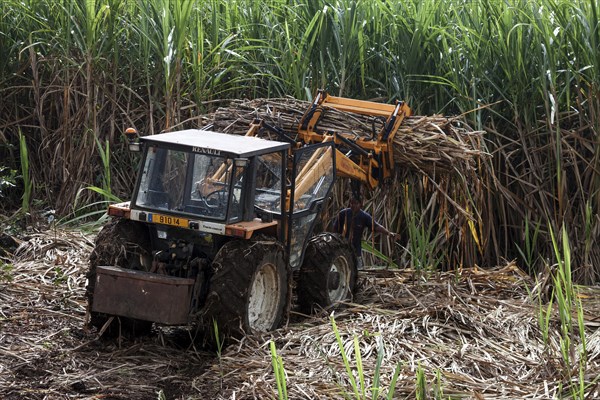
<point>473,333</point>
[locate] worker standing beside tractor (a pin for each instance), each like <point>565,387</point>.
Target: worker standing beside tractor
<point>351,223</point>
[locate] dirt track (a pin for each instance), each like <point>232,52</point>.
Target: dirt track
<point>474,334</point>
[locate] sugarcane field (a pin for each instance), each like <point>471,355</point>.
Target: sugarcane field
<point>346,199</point>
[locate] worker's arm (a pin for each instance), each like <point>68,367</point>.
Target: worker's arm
<point>339,222</point>
<point>383,230</point>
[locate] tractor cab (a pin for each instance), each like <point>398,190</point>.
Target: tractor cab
<point>208,182</point>
<point>230,185</point>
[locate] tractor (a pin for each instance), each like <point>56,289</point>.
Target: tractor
<point>219,229</point>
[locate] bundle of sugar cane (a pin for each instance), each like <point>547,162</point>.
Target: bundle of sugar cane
<point>426,143</point>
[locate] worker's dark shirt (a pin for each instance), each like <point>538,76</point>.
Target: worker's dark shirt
<point>353,226</point>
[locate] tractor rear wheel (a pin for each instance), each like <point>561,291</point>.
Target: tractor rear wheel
<point>328,273</point>
<point>122,243</point>
<point>249,288</point>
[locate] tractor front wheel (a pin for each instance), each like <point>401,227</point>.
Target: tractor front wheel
<point>249,288</point>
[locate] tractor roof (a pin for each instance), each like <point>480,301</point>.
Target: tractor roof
<point>201,141</point>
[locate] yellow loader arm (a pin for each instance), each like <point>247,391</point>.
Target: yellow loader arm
<point>371,159</point>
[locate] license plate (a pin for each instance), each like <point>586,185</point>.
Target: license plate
<point>168,220</point>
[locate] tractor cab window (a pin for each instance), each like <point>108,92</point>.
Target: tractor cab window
<point>163,179</point>
<point>314,178</point>
<point>269,182</point>
<point>191,183</point>
<point>211,190</point>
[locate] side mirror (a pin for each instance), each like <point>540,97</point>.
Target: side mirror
<point>132,134</point>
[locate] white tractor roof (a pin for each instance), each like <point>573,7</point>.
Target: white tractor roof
<point>202,141</point>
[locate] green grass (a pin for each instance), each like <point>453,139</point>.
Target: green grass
<point>279,371</point>
<point>6,272</point>
<point>422,248</point>
<point>86,215</point>
<point>529,252</point>
<point>25,174</point>
<point>356,375</point>
<point>421,386</point>
<point>569,307</point>
<point>104,152</point>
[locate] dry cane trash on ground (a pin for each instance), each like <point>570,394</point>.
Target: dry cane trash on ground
<point>473,333</point>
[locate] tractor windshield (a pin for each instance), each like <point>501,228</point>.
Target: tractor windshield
<point>190,183</point>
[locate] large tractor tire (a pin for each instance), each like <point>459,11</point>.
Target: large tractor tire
<point>328,273</point>
<point>126,244</point>
<point>248,289</point>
